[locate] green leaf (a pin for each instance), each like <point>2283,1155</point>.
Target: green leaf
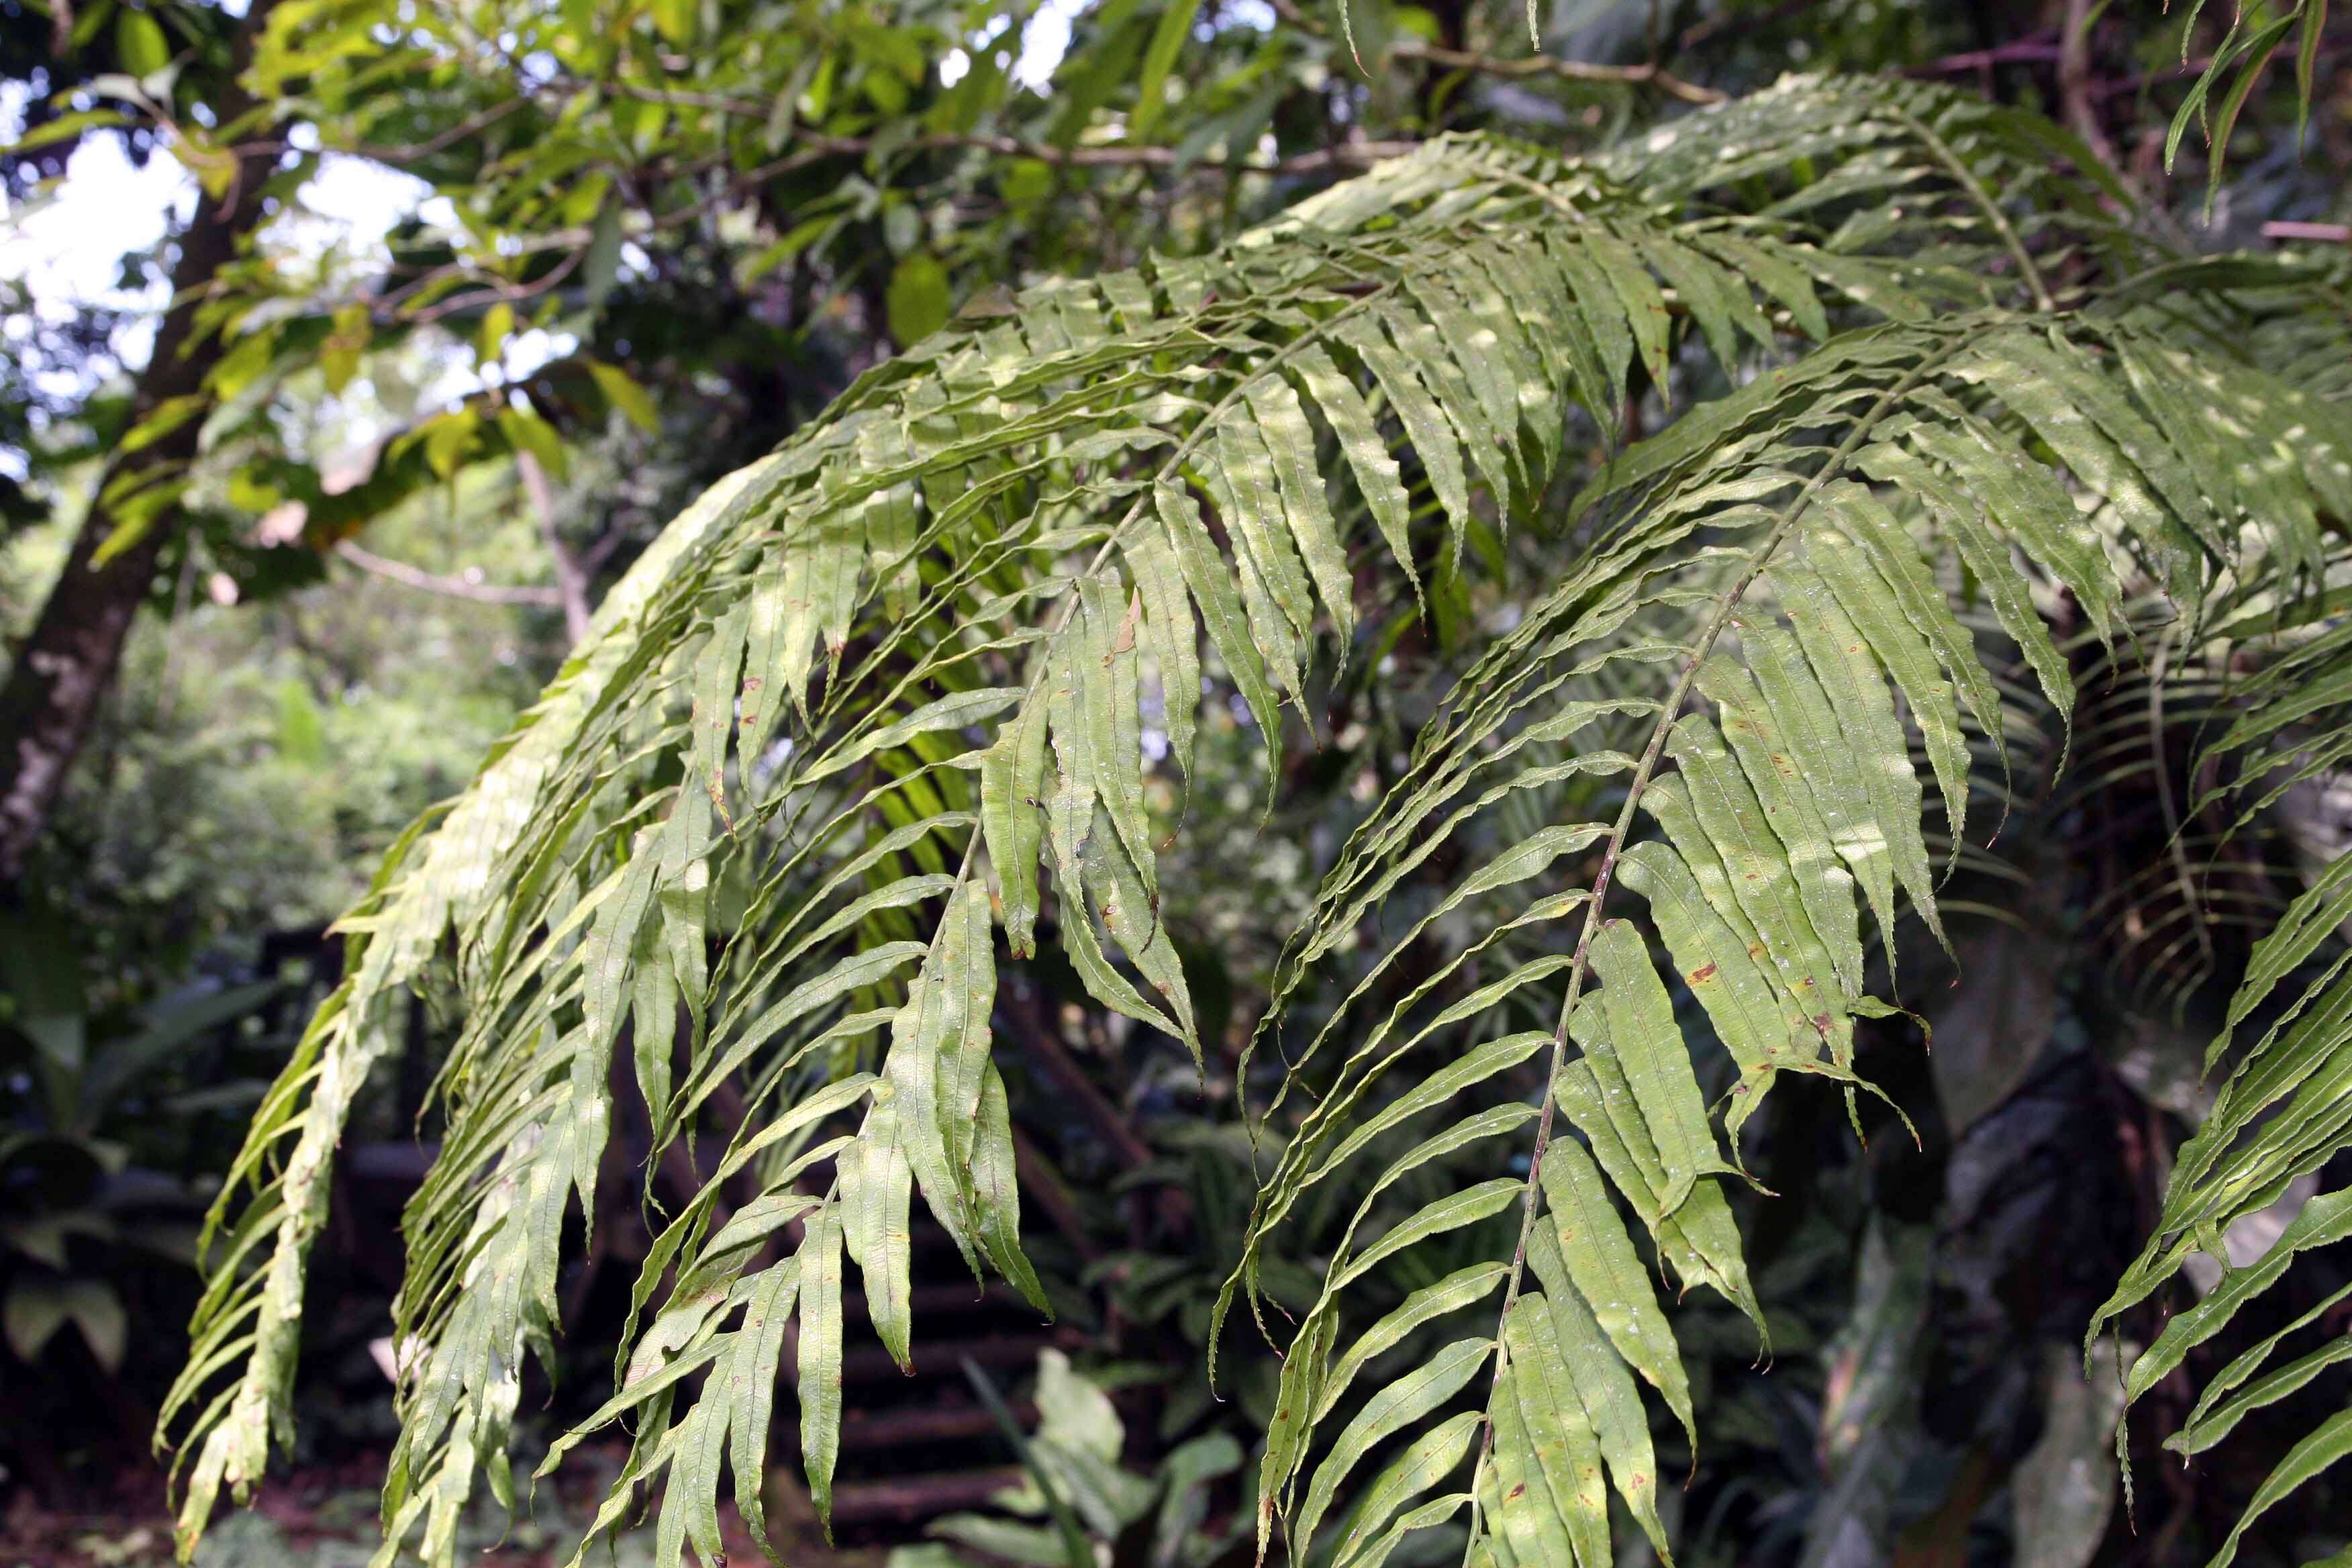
<point>1804,714</point>
<point>2325,1219</point>
<point>819,1372</point>
<point>1437,1510</point>
<point>600,267</point>
<point>1715,954</point>
<point>1377,476</point>
<point>877,1185</point>
<point>1282,423</point>
<point>1554,1507</point>
<point>1457,1291</point>
<point>1424,1462</point>
<point>1774,771</point>
<point>1641,1047</point>
<point>1578,1354</point>
<point>626,395</point>
<point>490,337</point>
<point>916,298</point>
<point>676,19</point>
<point>139,44</point>
<point>1424,422</point>
<point>939,1050</point>
<point>1394,1408</point>
<point>1698,1240</point>
<point>1168,37</point>
<point>527,432</point>
<point>36,1307</point>
<point>1597,1261</point>
<point>1850,672</point>
<point>2207,1427</point>
<point>1012,793</point>
<point>67,128</point>
<point>2319,1449</point>
<point>1455,1210</point>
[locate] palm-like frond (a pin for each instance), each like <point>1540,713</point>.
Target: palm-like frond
<point>2286,1108</point>
<point>1827,629</point>
<point>759,833</point>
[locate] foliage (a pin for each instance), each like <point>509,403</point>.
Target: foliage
<point>618,213</point>
<point>73,1192</point>
<point>253,760</point>
<point>2280,1115</point>
<point>827,729</point>
<point>1079,1499</point>
<point>632,220</point>
<point>2256,36</point>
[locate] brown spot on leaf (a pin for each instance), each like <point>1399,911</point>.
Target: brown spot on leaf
<point>1702,974</point>
<point>1126,638</point>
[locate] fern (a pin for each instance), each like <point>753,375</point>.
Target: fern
<point>762,829</point>
<point>2283,1109</point>
<point>2254,37</point>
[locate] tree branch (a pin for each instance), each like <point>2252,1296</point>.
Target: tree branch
<point>2036,50</point>
<point>2075,80</point>
<point>416,577</point>
<point>571,576</point>
<point>2322,233</point>
<point>1520,67</point>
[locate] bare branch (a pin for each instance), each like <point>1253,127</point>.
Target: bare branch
<point>2321,232</point>
<point>2074,81</point>
<point>416,577</point>
<point>571,576</point>
<point>1520,67</point>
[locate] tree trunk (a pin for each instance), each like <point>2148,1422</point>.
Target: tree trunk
<point>62,672</point>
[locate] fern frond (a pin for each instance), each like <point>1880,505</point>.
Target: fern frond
<point>890,687</point>
<point>1784,811</point>
<point>2285,1111</point>
<point>2237,67</point>
<point>912,646</point>
<point>2286,1108</point>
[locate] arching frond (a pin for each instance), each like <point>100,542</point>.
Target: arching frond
<point>2284,1111</point>
<point>1775,768</point>
<point>2286,1108</point>
<point>890,688</point>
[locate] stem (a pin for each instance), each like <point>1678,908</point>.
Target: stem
<point>571,576</point>
<point>1519,68</point>
<point>416,577</point>
<point>1966,180</point>
<point>2159,767</point>
<point>2075,92</point>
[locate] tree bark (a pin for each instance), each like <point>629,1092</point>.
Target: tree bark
<point>62,672</point>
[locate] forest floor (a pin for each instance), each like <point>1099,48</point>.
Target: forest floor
<point>325,1516</point>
